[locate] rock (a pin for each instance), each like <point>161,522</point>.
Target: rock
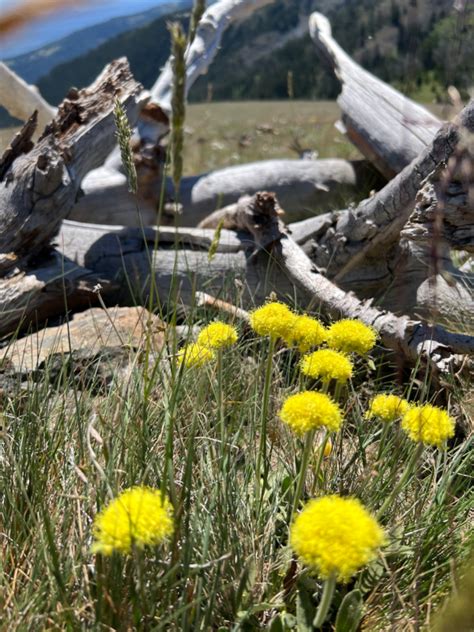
<point>86,336</point>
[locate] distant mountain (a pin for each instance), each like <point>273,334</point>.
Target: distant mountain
<point>420,46</point>
<point>32,66</point>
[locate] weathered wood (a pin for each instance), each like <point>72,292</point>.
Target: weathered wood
<point>21,99</point>
<point>39,188</point>
<point>366,233</point>
<point>303,187</point>
<point>205,45</point>
<point>387,127</point>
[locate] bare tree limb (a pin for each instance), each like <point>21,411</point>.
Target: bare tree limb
<point>21,99</point>
<point>303,187</point>
<point>387,127</point>
<point>205,45</point>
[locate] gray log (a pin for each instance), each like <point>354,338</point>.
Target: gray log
<point>38,188</point>
<point>303,187</point>
<point>387,127</point>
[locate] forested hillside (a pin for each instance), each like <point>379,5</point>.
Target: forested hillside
<point>421,46</point>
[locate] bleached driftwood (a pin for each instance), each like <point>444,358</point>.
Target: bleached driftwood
<point>262,257</point>
<point>383,248</point>
<point>154,122</point>
<point>367,231</point>
<point>21,99</point>
<point>387,127</point>
<point>205,45</point>
<point>303,187</point>
<point>39,188</point>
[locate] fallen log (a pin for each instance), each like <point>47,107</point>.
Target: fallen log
<point>389,129</point>
<point>38,188</point>
<point>303,187</point>
<point>171,264</point>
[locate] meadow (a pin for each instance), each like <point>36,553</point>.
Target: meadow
<point>177,495</point>
<point>207,432</point>
<point>222,134</point>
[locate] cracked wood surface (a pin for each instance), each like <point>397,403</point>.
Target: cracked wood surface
<point>39,188</point>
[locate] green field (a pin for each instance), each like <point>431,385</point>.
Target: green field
<point>223,134</point>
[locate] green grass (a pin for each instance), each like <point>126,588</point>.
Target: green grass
<point>198,434</point>
<point>223,134</point>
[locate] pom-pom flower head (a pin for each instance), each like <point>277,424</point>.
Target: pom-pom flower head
<point>351,336</point>
<point>195,355</point>
<point>387,408</point>
<point>139,516</point>
<point>428,424</point>
<point>273,319</point>
<point>217,335</point>
<point>336,536</point>
<point>310,410</point>
<point>327,365</point>
<point>306,333</point>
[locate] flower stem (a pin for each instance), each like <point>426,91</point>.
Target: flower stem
<point>326,599</point>
<point>320,460</point>
<point>403,480</point>
<point>220,401</point>
<point>302,473</point>
<point>262,450</point>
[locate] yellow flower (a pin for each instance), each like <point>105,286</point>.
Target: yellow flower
<point>195,355</point>
<point>351,336</point>
<point>310,410</point>
<point>217,335</point>
<point>334,535</point>
<point>387,407</point>
<point>272,319</point>
<point>306,333</point>
<point>327,365</point>
<point>139,516</point>
<point>428,424</point>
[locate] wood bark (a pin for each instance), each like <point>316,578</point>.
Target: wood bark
<point>39,188</point>
<point>387,127</point>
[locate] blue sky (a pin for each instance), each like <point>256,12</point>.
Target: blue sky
<point>60,23</point>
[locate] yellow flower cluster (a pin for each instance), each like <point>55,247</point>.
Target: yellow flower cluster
<point>334,535</point>
<point>195,355</point>
<point>217,335</point>
<point>387,408</point>
<point>327,365</point>
<point>351,336</point>
<point>428,424</point>
<point>139,516</point>
<point>310,410</point>
<point>272,319</point>
<point>305,333</point>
